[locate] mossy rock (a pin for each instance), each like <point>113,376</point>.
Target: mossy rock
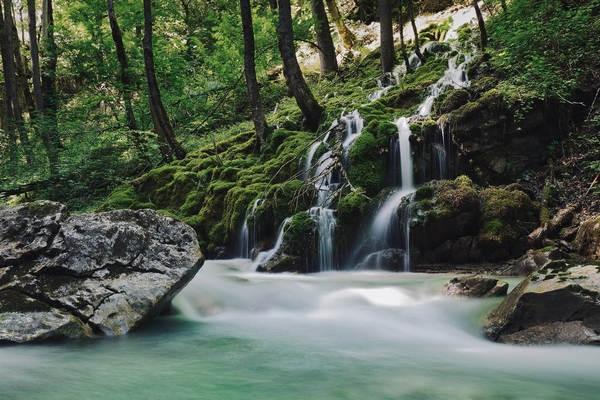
<point>451,100</point>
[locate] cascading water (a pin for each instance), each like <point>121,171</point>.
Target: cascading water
<point>455,76</point>
<point>247,235</point>
<point>440,151</point>
<point>384,229</point>
<point>264,256</point>
<point>354,126</point>
<point>387,81</point>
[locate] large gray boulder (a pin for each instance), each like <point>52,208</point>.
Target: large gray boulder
<point>78,276</point>
<point>558,304</point>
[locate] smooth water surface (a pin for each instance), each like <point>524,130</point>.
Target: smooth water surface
<point>363,335</point>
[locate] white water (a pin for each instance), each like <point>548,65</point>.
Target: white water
<point>247,236</point>
<point>455,76</point>
<point>265,256</point>
<point>326,223</point>
<point>354,127</point>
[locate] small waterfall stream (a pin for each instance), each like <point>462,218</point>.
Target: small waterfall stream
<point>247,235</point>
<point>264,256</point>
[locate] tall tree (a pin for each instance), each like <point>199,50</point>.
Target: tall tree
<point>258,113</point>
<point>411,15</point>
<point>162,125</point>
<point>38,97</point>
<point>346,36</point>
<point>481,22</point>
<point>7,109</point>
<point>402,43</point>
<point>124,74</point>
<point>311,109</point>
<point>13,103</point>
<point>327,55</point>
<point>48,76</point>
<point>386,35</point>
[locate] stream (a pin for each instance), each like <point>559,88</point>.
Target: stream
<point>237,334</point>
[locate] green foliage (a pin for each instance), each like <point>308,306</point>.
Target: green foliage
<point>548,47</point>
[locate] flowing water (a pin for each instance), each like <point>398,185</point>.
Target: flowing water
<point>248,234</point>
<point>343,336</point>
<point>264,256</point>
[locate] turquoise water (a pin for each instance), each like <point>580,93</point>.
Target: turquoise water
<point>241,335</point>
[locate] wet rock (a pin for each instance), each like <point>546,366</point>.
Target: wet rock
<point>388,260</point>
<point>476,286</point>
<point>558,304</point>
<point>78,276</point>
<point>530,262</point>
<point>587,241</point>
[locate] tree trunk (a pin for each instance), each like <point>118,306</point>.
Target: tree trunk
<point>402,44</point>
<point>48,78</point>
<point>38,97</point>
<point>124,75</point>
<point>258,114</point>
<point>168,143</point>
<point>503,4</point>
<point>386,35</point>
<point>411,15</point>
<point>7,120</point>
<point>346,36</point>
<point>15,114</point>
<point>327,55</point>
<point>481,22</point>
<point>311,109</point>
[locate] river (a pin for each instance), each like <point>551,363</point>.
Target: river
<point>340,335</point>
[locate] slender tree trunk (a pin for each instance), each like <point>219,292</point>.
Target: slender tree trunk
<point>11,80</point>
<point>411,15</point>
<point>481,22</point>
<point>124,75</point>
<point>48,78</point>
<point>38,96</point>
<point>346,36</point>
<point>386,35</point>
<point>8,118</point>
<point>22,73</point>
<point>402,44</point>
<point>327,55</point>
<point>170,146</point>
<point>258,114</point>
<point>311,109</point>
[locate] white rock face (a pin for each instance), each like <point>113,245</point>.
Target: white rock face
<point>91,274</point>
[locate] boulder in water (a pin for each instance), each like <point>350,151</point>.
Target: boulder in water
<point>78,276</point>
<point>558,304</point>
<point>476,286</point>
<point>388,260</point>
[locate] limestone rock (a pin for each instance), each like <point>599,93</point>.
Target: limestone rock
<point>77,276</point>
<point>476,286</point>
<point>558,304</point>
<point>587,241</point>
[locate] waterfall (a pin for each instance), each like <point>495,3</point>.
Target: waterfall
<point>455,76</point>
<point>247,235</point>
<point>326,183</point>
<point>385,83</point>
<point>265,256</point>
<point>440,151</point>
<point>354,126</point>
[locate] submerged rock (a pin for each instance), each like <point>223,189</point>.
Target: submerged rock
<point>388,260</point>
<point>77,276</point>
<point>476,286</point>
<point>558,304</point>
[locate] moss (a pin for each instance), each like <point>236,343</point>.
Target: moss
<point>367,166</point>
<point>424,192</point>
<point>451,100</point>
<point>352,206</point>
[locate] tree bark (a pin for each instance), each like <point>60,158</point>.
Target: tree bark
<point>48,78</point>
<point>124,74</point>
<point>411,15</point>
<point>258,114</point>
<point>402,44</point>
<point>311,109</point>
<point>386,35</point>
<point>8,118</point>
<point>15,111</point>
<point>481,22</point>
<point>327,55</point>
<point>346,36</point>
<point>168,143</point>
<point>38,97</point>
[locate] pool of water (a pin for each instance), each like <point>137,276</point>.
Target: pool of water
<point>363,335</point>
